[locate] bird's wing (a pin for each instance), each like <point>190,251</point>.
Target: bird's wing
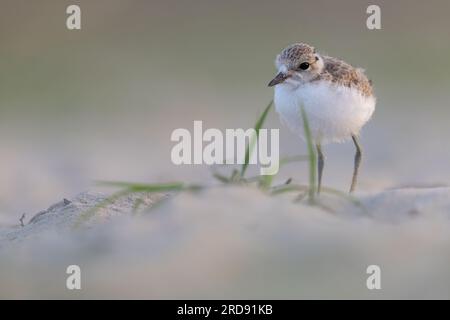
<point>344,74</point>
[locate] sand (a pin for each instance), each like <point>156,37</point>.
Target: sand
<point>233,242</point>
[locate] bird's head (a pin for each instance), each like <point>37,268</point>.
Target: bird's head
<point>297,64</point>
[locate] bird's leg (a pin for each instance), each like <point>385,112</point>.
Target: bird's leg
<point>320,165</point>
<point>358,156</point>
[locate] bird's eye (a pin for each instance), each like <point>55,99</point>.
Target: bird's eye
<point>304,66</point>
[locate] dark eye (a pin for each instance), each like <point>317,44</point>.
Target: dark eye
<point>304,65</point>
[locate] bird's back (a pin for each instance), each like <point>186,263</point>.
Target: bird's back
<point>342,73</point>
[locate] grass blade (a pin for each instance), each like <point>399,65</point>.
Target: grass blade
<point>265,181</point>
<point>130,188</point>
<point>254,139</point>
<point>344,195</point>
<point>221,178</point>
<point>311,155</point>
<point>143,187</point>
<point>289,188</point>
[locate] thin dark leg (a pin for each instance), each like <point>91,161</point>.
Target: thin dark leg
<point>320,165</point>
<point>358,156</point>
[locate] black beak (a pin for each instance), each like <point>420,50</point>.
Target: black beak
<point>279,78</point>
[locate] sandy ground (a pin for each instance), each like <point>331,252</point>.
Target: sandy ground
<point>234,242</point>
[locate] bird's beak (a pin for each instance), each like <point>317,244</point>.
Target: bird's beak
<point>279,78</point>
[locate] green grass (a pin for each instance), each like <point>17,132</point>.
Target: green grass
<point>254,139</point>
<point>264,183</point>
<point>142,187</point>
<point>127,188</point>
<point>312,158</point>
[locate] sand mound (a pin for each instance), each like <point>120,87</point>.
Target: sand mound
<point>234,243</point>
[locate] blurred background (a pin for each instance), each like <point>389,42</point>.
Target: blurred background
<point>101,103</point>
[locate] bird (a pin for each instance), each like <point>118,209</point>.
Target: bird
<point>337,98</point>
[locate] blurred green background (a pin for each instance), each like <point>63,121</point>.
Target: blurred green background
<point>101,103</point>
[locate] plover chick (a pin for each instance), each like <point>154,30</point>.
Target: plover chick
<point>337,98</point>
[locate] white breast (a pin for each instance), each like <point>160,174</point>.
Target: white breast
<point>334,112</point>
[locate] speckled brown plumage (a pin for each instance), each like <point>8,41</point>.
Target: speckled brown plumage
<point>341,73</point>
<point>295,51</point>
<point>335,70</point>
